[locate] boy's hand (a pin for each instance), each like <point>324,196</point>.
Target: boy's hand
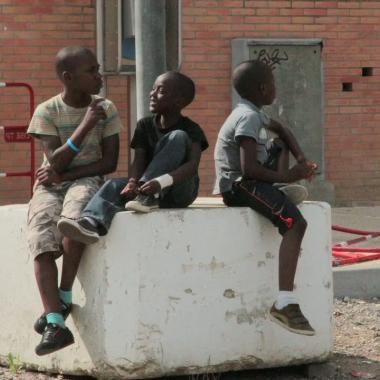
<point>95,112</point>
<point>47,176</point>
<point>314,168</point>
<point>130,190</point>
<point>302,170</point>
<point>151,187</point>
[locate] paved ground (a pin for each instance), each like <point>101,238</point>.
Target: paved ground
<point>359,280</point>
<point>361,218</point>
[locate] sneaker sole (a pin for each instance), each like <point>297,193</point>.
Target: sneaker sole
<point>138,207</point>
<point>285,326</point>
<point>48,351</point>
<point>74,231</point>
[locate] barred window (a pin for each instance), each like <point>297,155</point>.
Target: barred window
<point>116,24</point>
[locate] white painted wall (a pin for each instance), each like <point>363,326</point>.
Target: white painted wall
<point>173,292</point>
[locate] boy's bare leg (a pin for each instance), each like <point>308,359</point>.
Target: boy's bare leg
<point>55,335</point>
<point>288,255</point>
<point>292,239</point>
<point>289,315</point>
<point>46,273</point>
<point>73,251</point>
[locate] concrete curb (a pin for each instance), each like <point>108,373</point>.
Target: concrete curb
<point>357,280</point>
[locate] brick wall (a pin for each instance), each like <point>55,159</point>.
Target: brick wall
<point>350,32</point>
<point>32,32</point>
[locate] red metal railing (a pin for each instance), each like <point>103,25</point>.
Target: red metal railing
<point>17,134</point>
<point>343,254</point>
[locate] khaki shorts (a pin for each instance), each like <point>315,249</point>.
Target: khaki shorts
<point>48,204</point>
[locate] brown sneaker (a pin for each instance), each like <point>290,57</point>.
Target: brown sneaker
<point>292,319</point>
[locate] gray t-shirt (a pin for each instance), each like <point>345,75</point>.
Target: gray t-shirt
<point>245,120</point>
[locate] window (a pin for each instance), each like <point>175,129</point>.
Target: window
<point>116,35</point>
<point>128,51</point>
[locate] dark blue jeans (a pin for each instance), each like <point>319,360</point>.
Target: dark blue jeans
<point>171,152</point>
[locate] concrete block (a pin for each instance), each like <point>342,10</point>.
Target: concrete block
<point>172,293</point>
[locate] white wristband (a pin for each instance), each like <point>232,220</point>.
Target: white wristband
<point>164,180</point>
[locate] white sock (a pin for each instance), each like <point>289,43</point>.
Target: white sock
<point>285,298</point>
<point>93,222</point>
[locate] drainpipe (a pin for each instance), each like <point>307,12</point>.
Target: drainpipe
<point>150,49</point>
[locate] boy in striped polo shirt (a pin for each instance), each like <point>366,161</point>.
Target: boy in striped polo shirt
<point>79,135</point>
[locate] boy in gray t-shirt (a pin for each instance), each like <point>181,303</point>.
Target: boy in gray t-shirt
<point>248,164</point>
<point>245,120</point>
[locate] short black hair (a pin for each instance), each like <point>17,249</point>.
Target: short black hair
<point>248,74</point>
<point>184,85</point>
<point>68,58</point>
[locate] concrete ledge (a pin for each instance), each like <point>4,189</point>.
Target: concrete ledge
<point>173,292</point>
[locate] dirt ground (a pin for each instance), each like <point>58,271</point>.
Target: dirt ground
<point>356,352</point>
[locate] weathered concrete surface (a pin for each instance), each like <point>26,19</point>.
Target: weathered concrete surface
<point>173,292</point>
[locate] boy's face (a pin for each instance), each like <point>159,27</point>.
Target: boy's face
<point>86,77</point>
<point>163,97</point>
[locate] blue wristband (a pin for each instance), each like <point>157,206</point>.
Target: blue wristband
<point>72,146</point>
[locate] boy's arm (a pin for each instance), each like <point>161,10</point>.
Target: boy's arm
<point>186,171</point>
<point>138,165</point>
<point>190,168</point>
<point>288,137</point>
<point>60,154</point>
<point>136,170</point>
<point>107,164</point>
<point>251,169</point>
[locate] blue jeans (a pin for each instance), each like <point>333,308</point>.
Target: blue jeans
<point>171,151</point>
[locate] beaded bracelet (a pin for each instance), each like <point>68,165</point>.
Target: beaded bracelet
<point>72,146</point>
